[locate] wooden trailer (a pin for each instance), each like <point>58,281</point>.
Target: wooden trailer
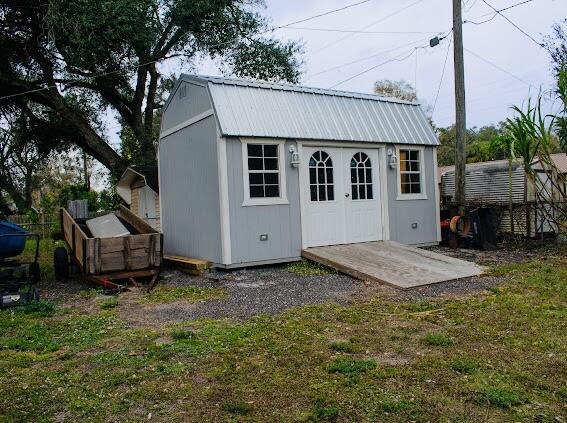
<point>107,260</point>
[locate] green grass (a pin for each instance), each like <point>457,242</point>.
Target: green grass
<point>499,354</point>
<point>324,411</point>
<point>438,340</point>
<point>237,407</point>
<point>464,365</point>
<point>499,397</point>
<point>166,294</point>
<point>349,366</point>
<point>182,334</point>
<point>108,303</point>
<point>308,268</point>
<point>343,346</point>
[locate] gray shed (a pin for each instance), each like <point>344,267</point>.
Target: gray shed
<point>251,173</point>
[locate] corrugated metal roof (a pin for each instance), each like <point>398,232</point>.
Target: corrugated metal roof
<point>262,109</point>
<point>560,160</point>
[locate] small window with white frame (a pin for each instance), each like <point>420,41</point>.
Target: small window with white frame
<point>264,179</point>
<point>411,174</point>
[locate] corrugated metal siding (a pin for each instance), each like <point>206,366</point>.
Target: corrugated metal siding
<point>487,184</point>
<point>246,108</point>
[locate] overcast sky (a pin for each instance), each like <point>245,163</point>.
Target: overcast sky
<point>490,91</point>
<point>502,65</point>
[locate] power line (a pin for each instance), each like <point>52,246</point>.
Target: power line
<point>365,58</point>
<point>355,31</point>
<point>442,75</point>
<point>399,59</point>
<point>497,67</point>
<point>377,66</point>
<point>134,67</point>
<point>325,13</point>
<point>370,25</point>
<point>499,12</point>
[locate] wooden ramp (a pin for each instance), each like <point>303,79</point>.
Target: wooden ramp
<point>391,263</point>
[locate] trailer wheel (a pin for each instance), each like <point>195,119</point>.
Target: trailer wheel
<point>61,263</point>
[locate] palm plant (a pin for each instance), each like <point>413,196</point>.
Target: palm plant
<point>531,133</point>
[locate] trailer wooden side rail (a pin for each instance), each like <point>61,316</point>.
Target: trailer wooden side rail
<point>105,260</point>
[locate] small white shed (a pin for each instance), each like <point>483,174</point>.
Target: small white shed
<point>138,187</point>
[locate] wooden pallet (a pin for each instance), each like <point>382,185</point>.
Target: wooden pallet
<point>193,266</point>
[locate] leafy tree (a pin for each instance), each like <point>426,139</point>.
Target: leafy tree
<point>76,58</point>
<point>560,123</point>
<point>28,138</point>
<point>483,144</point>
<point>397,89</point>
<point>556,44</point>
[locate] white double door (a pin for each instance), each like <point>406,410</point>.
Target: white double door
<point>341,195</point>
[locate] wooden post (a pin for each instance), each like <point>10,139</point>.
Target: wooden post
<point>460,118</point>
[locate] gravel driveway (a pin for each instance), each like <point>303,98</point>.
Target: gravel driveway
<point>267,290</point>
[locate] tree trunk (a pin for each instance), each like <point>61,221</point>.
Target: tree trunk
<point>90,141</point>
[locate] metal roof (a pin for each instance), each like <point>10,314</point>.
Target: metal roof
<point>261,109</point>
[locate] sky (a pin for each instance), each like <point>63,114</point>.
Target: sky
<point>502,65</point>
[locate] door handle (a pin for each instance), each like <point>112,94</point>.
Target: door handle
<point>347,195</point>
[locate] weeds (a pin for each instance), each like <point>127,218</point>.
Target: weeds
<point>109,303</point>
<point>502,398</point>
<point>342,346</point>
<point>308,268</point>
<point>182,334</point>
<point>190,294</point>
<point>438,340</point>
<point>348,366</point>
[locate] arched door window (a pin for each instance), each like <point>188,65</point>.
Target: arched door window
<point>361,177</point>
<point>321,183</point>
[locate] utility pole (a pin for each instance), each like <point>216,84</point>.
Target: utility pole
<point>460,118</point>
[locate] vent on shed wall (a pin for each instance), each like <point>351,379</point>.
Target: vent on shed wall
<point>183,91</point>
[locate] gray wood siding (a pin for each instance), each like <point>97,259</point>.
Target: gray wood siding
<point>181,108</point>
<point>189,190</point>
<point>282,223</point>
<point>402,213</point>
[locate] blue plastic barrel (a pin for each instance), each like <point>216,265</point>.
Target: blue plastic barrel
<point>11,246</point>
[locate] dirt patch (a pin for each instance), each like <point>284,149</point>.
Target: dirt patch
<point>503,254</point>
<point>392,358</point>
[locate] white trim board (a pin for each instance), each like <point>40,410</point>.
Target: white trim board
<point>437,195</point>
<point>226,249</point>
<point>423,175</point>
<point>264,201</point>
<point>186,123</point>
